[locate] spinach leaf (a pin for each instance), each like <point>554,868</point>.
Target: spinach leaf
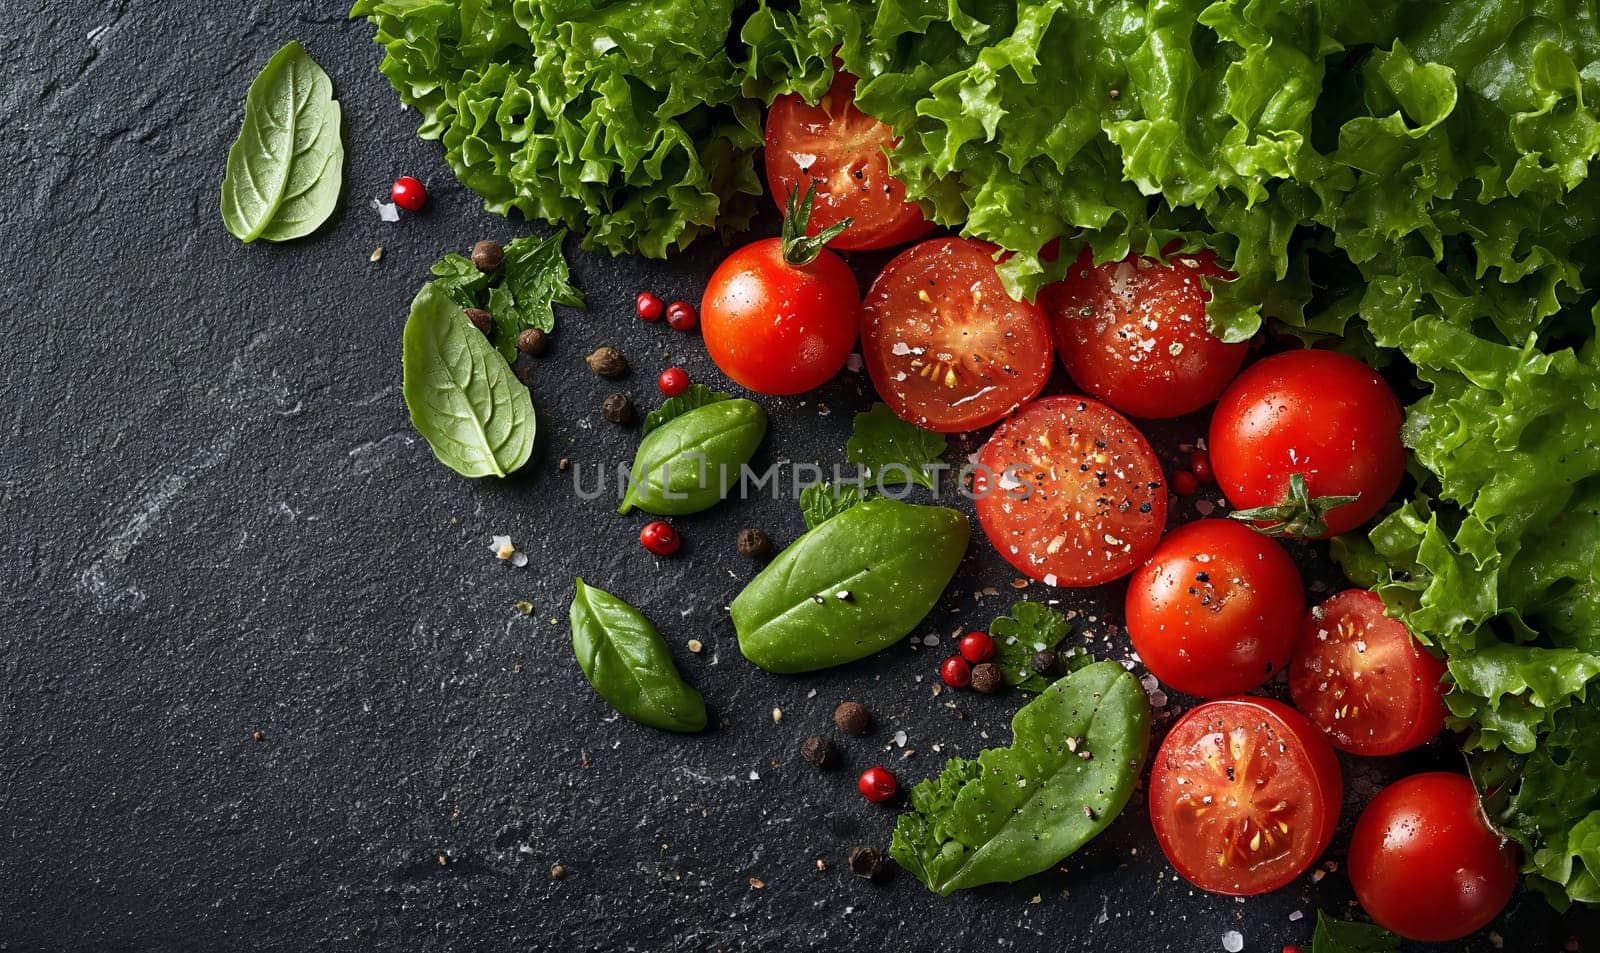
<point>893,451</point>
<point>1030,628</point>
<point>821,502</point>
<point>463,399</point>
<point>688,464</point>
<point>693,397</point>
<point>628,663</point>
<point>287,166</point>
<point>520,294</point>
<point>1348,936</point>
<point>1019,810</point>
<point>854,585</point>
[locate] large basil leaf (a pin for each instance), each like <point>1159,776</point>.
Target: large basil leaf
<point>463,398</point>
<point>1017,811</point>
<point>688,463</point>
<point>626,660</point>
<point>286,167</point>
<point>852,586</point>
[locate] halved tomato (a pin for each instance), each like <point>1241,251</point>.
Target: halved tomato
<point>1363,679</point>
<point>1244,795</point>
<point>1070,493</point>
<point>946,347</point>
<point>842,150</point>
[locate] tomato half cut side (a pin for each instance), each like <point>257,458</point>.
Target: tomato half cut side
<point>1362,678</point>
<point>842,150</point>
<point>946,347</point>
<point>1244,795</point>
<point>1070,492</point>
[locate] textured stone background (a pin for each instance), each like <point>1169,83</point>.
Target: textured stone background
<point>217,520</point>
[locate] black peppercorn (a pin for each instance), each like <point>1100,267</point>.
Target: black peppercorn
<point>868,862</point>
<point>531,341</point>
<point>487,255</point>
<point>618,408</point>
<point>607,362</point>
<point>820,752</point>
<point>987,679</point>
<point>481,320</point>
<point>753,543</point>
<point>1045,662</point>
<point>852,718</point>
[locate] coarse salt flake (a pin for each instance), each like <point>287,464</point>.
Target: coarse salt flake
<point>1233,941</point>
<point>387,211</point>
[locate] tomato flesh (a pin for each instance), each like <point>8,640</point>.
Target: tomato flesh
<point>1134,333</point>
<point>778,328</point>
<point>1070,493</point>
<point>946,347</point>
<point>1244,795</point>
<point>1364,680</point>
<point>1424,861</point>
<point>844,151</point>
<point>1216,610</point>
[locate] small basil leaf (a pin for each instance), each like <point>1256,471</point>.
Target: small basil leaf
<point>463,398</point>
<point>1020,810</point>
<point>1030,628</point>
<point>287,166</point>
<point>628,663</point>
<point>1349,936</point>
<point>689,463</point>
<point>853,586</point>
<point>892,450</point>
<point>821,502</point>
<point>693,397</point>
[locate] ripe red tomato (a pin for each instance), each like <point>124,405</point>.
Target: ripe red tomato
<point>1363,679</point>
<point>1216,610</point>
<point>777,327</point>
<point>1244,795</point>
<point>842,150</point>
<point>1424,861</point>
<point>1320,414</point>
<point>946,347</point>
<point>1134,334</point>
<point>1070,493</point>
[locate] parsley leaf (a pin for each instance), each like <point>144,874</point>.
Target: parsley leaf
<point>520,294</point>
<point>693,397</point>
<point>1029,629</point>
<point>821,502</point>
<point>893,451</point>
<point>1349,936</point>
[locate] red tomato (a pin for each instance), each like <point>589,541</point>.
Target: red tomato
<point>1133,333</point>
<point>1216,610</point>
<point>1244,795</point>
<point>1364,680</point>
<point>1424,861</point>
<point>1319,414</point>
<point>842,150</point>
<point>947,348</point>
<point>1070,493</point>
<point>776,327</point>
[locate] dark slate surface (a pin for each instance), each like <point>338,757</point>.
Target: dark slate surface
<point>218,521</point>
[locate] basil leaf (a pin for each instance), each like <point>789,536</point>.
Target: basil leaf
<point>821,502</point>
<point>287,166</point>
<point>1029,629</point>
<point>892,450</point>
<point>628,663</point>
<point>693,397</point>
<point>688,464</point>
<point>1020,810</point>
<point>891,560</point>
<point>463,398</point>
<point>1348,936</point>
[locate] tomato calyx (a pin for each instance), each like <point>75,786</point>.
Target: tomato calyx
<point>1299,517</point>
<point>800,249</point>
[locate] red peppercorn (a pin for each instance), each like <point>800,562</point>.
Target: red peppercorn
<point>673,381</point>
<point>1184,483</point>
<point>877,784</point>
<point>681,316</point>
<point>1291,949</point>
<point>648,306</point>
<point>408,193</point>
<point>1200,466</point>
<point>956,672</point>
<point>976,647</point>
<point>660,538</point>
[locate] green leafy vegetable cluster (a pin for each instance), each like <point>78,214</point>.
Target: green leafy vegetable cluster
<point>520,294</point>
<point>1028,630</point>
